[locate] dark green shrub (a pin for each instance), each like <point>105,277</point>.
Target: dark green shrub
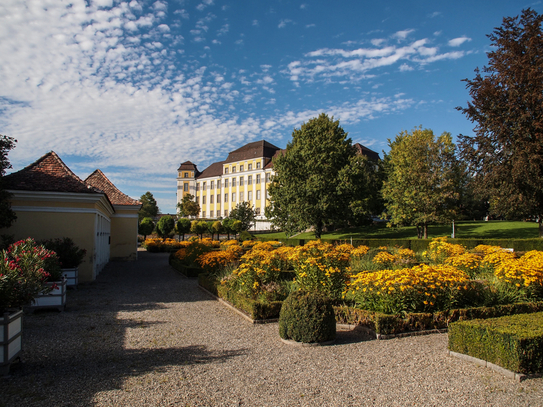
<point>307,317</point>
<point>243,236</point>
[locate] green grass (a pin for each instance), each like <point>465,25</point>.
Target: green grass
<point>464,230</point>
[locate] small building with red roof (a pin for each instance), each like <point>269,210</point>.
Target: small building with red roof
<point>52,202</point>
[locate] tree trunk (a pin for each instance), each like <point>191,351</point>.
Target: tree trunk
<point>540,226</point>
<point>425,227</point>
<point>419,232</point>
<point>318,230</point>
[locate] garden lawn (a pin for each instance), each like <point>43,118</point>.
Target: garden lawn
<point>464,229</point>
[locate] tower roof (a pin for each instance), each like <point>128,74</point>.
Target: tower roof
<point>252,150</point>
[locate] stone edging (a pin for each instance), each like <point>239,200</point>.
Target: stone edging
<point>519,377</point>
<point>304,345</point>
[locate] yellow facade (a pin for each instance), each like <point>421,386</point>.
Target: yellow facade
<point>86,218</point>
<point>124,233</point>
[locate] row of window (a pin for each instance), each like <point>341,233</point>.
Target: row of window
<point>241,168</point>
<point>234,195</point>
<point>212,213</point>
<point>233,181</point>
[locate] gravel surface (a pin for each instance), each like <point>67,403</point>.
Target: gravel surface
<point>143,335</point>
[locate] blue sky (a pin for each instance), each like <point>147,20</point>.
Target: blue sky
<point>137,87</point>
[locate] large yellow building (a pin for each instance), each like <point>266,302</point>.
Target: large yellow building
<point>242,177</point>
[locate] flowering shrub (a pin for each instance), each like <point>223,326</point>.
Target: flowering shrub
<point>417,289</point>
<point>192,251</point>
<point>468,262</point>
<point>439,249</point>
<point>321,267</point>
<point>214,261</point>
<point>525,273</point>
<point>258,275</point>
<point>360,251</point>
<point>247,244</point>
<point>24,268</point>
<point>231,242</point>
<point>163,245</point>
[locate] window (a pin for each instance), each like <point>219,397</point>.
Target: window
<point>250,195</point>
<point>218,198</point>
<point>258,165</point>
<point>197,187</point>
<point>257,194</point>
<point>211,199</point>
<point>204,200</point>
<point>249,180</point>
<point>233,197</point>
<point>240,181</point>
<point>226,170</point>
<point>212,186</point>
<point>267,177</point>
<point>233,169</point>
<point>240,168</point>
<point>233,182</point>
<point>249,167</point>
<point>225,198</point>
<point>241,196</point>
<point>226,183</point>
<point>197,198</point>
<point>203,186</point>
<point>257,210</point>
<point>258,178</point>
<point>210,214</point>
<point>226,213</point>
<point>185,186</point>
<point>186,175</point>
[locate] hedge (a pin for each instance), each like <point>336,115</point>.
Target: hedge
<point>514,342</point>
<point>183,269</point>
<point>385,324</point>
<point>257,310</point>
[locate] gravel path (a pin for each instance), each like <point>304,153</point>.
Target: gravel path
<point>143,335</point>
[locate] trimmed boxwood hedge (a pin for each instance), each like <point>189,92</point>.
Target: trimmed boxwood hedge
<point>514,342</point>
<point>257,310</point>
<point>385,324</point>
<point>183,269</point>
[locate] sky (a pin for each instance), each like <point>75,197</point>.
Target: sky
<point>137,87</point>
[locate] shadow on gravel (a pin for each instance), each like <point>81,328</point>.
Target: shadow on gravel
<point>357,334</point>
<point>106,335</point>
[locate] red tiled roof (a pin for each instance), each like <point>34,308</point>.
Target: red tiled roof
<point>99,181</point>
<point>365,151</point>
<point>49,173</point>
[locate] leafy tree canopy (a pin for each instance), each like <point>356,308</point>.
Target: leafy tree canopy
<point>183,226</point>
<point>188,206</point>
<point>149,208</point>
<point>165,226</point>
<point>245,213</point>
<point>7,216</point>
<point>320,180</point>
<point>505,157</point>
<point>423,177</point>
<point>146,227</point>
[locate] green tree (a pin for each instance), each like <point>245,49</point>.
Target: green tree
<point>423,177</point>
<point>245,213</point>
<point>7,216</point>
<point>165,226</point>
<point>149,207</point>
<point>319,179</point>
<point>237,226</point>
<point>505,157</point>
<point>146,227</point>
<point>198,227</point>
<point>188,206</point>
<point>227,226</point>
<point>217,228</point>
<point>183,227</point>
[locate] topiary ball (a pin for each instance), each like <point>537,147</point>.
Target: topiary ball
<point>307,317</point>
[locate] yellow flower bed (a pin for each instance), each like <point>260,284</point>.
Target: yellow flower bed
<point>216,260</point>
<point>415,289</point>
<point>526,271</point>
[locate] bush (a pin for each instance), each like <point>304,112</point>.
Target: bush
<point>307,317</point>
<point>243,236</point>
<point>69,254</point>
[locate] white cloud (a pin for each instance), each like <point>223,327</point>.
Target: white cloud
<point>405,67</point>
<point>456,42</point>
<point>283,23</point>
<point>402,35</point>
